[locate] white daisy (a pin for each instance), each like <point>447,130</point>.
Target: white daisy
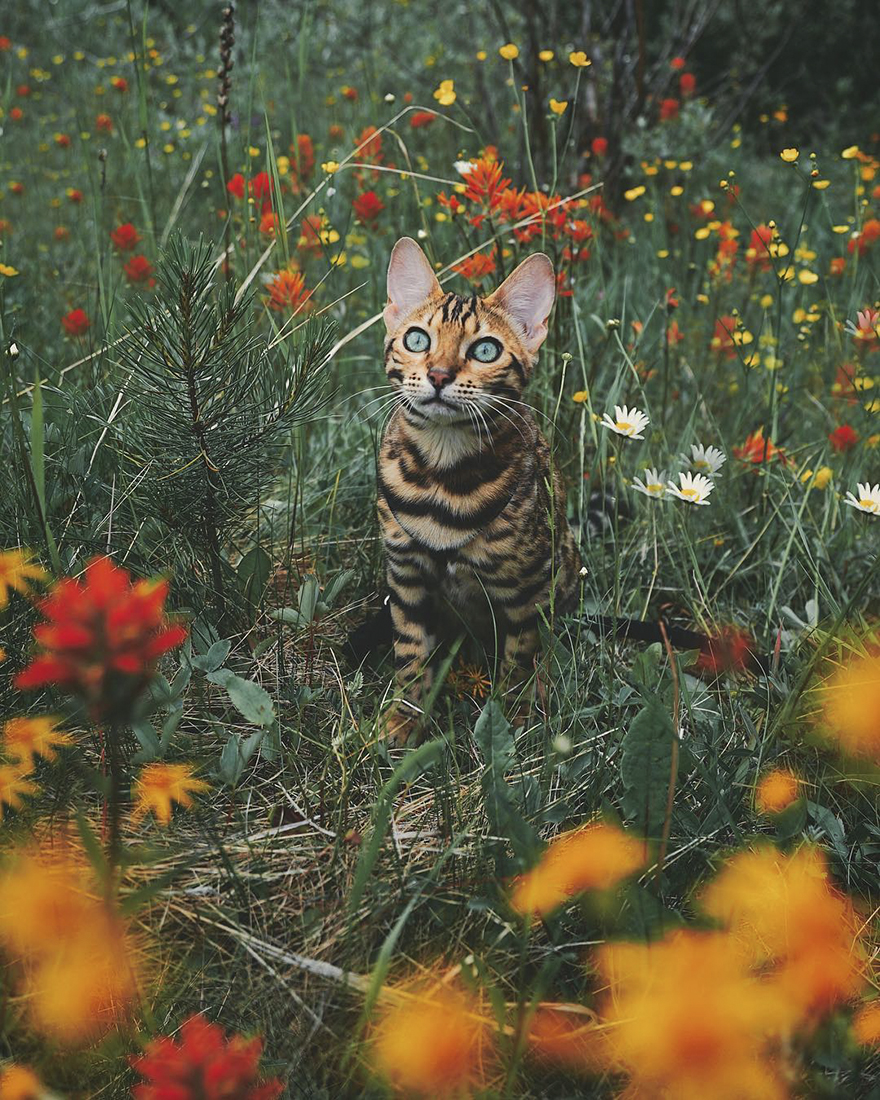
<point>868,499</point>
<point>464,167</point>
<point>706,460</point>
<point>695,488</point>
<point>629,422</point>
<point>652,486</point>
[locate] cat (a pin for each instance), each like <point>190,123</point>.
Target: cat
<point>471,506</point>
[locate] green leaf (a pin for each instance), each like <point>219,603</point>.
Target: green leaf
<point>252,701</point>
<point>255,569</point>
<point>148,739</point>
<point>645,766</point>
<point>214,658</point>
<point>308,597</point>
<point>494,738</point>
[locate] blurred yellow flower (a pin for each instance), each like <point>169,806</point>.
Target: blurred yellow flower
<point>850,152</point>
<point>17,570</point>
<point>579,59</point>
<point>546,55</point>
<point>849,702</point>
<point>634,193</point>
<point>14,786</point>
<point>558,106</point>
<point>329,166</point>
<point>8,271</point>
<point>445,94</point>
<point>790,155</point>
<point>820,185</point>
<point>509,52</point>
<point>865,1025</point>
<point>580,396</point>
<point>25,738</point>
<point>807,278</point>
<point>159,785</point>
<point>776,791</point>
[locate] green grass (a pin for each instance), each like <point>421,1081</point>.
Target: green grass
<point>331,868</point>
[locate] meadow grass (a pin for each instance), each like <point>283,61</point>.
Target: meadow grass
<point>721,289</point>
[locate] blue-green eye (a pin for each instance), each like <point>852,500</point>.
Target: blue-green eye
<point>416,339</point>
<point>485,351</point>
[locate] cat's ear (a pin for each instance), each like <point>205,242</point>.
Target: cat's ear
<point>526,296</point>
<point>411,281</point>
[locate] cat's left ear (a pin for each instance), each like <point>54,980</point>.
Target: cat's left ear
<point>526,296</point>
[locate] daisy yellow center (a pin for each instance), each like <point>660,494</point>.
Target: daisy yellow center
<point>701,464</point>
<point>867,502</point>
<point>623,425</point>
<point>691,494</point>
<point>655,487</point>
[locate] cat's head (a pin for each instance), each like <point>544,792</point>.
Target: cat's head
<point>448,353</point>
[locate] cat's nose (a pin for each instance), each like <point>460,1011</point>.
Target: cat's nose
<point>440,377</point>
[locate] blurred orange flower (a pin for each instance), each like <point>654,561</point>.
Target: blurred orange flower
<point>17,571</point>
<point>287,290</point>
<point>849,700</point>
<point>756,449</point>
<point>159,785</point>
<point>866,1024</point>
<point>14,786</point>
<point>25,738</point>
<point>20,1083</point>
<point>776,791</point>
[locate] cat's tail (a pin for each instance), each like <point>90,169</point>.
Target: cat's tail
<point>600,512</point>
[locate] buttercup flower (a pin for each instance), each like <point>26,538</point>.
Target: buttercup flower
<point>509,52</point>
<point>653,485</point>
<point>558,106</point>
<point>868,499</point>
<point>445,93</point>
<point>579,59</point>
<point>692,488</point>
<point>706,460</point>
<point>790,155</point>
<point>629,422</point>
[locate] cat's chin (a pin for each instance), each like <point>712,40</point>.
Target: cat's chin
<point>444,412</point>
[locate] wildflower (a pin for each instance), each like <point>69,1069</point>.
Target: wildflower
<point>235,186</point>
<point>14,786</point>
<point>694,488</point>
<point>865,1025</point>
<point>687,84</point>
<point>74,195</point>
<point>629,422</point>
<point>7,271</point>
<point>483,180</point>
<point>476,267</point>
<point>20,1083</point>
<point>432,1046</point>
<point>728,650</point>
<point>102,637</point>
<point>652,486</point>
<point>76,322</point>
<point>367,207</point>
<point>287,290</point>
<point>868,499</point>
<point>599,146</point>
<point>203,1065</point>
<point>445,93</point>
<point>568,1039</point>
<point>634,193</point>
<point>418,119</point>
<point>125,237</point>
<point>349,93</point>
<point>849,703</point>
<point>677,63</point>
<point>269,224</point>
<point>790,155</point>
<point>756,449</point>
<point>119,83</point>
<point>686,1019</point>
<point>786,919</point>
<point>867,325</point>
<point>24,738</point>
<point>776,791</point>
<point>579,59</point>
<point>558,106</point>
<point>104,123</point>
<point>509,52</point>
<point>546,55</point>
<point>669,109</point>
<point>139,270</point>
<point>16,114</point>
<point>843,438</point>
<point>61,233</point>
<point>159,785</point>
<point>861,241</point>
<point>580,396</point>
<point>17,571</point>
<point>330,167</point>
<point>708,460</point>
<point>596,857</point>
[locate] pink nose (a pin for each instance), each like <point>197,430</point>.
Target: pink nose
<point>439,377</point>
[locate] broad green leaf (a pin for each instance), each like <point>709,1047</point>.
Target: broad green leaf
<point>252,701</point>
<point>215,656</point>
<point>645,766</point>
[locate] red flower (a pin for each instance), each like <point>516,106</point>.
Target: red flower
<point>730,650</point>
<point>335,132</point>
<point>421,118</point>
<point>476,267</point>
<point>722,340</point>
<point>104,123</point>
<point>204,1065</point>
<point>349,93</point>
<point>17,187</point>
<point>669,109</point>
<point>125,237</point>
<point>61,233</point>
<point>101,638</point>
<point>5,43</point>
<point>837,265</point>
<point>139,270</point>
<point>236,186</point>
<point>304,153</point>
<point>483,181</point>
<point>677,63</point>
<point>370,144</point>
<point>261,186</point>
<point>863,240</point>
<point>599,146</point>
<point>687,82</point>
<point>119,83</point>
<point>63,140</point>
<point>74,194</point>
<point>756,449</point>
<point>16,114</point>
<point>23,90</point>
<point>674,335</point>
<point>759,251</point>
<point>368,207</point>
<point>287,290</point>
<point>76,322</point>
<point>843,438</point>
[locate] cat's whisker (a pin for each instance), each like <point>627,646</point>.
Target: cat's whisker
<point>391,403</point>
<point>489,403</point>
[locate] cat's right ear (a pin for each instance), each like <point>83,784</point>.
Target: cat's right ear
<point>411,281</point>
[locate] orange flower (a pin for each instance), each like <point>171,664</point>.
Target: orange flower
<point>370,142</point>
<point>776,791</point>
<point>63,140</point>
<point>836,265</point>
<point>475,268</point>
<point>849,701</point>
<point>595,857</point>
<point>20,1083</point>
<point>868,234</point>
<point>484,182</point>
<point>61,233</point>
<point>104,123</point>
<point>125,237</point>
<point>287,290</point>
<point>432,1045</point>
<point>304,154</point>
<point>25,738</point>
<point>17,571</point>
<point>269,224</point>
<point>756,449</point>
<point>421,118</point>
<point>119,83</point>
<point>14,786</point>
<point>569,1039</point>
<point>159,785</point>
<point>730,650</point>
<point>866,1025</point>
<point>102,638</point>
<point>74,194</point>
<point>76,322</point>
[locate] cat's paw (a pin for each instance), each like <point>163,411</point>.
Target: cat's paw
<point>399,727</point>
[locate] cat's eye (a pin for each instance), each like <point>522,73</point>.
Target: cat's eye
<point>416,339</point>
<point>486,350</point>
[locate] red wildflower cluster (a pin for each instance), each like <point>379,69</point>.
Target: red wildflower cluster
<point>860,242</point>
<point>730,650</point>
<point>756,449</point>
<point>758,253</point>
<point>302,157</point>
<point>203,1065</point>
<point>119,83</point>
<point>287,290</point>
<point>102,637</point>
<point>104,123</point>
<point>844,438</point>
<point>125,237</point>
<point>139,270</point>
<point>599,146</point>
<point>669,109</point>
<point>368,207</point>
<point>475,268</point>
<point>16,114</point>
<point>687,84</point>
<point>722,338</point>
<point>76,322</point>
<point>418,119</point>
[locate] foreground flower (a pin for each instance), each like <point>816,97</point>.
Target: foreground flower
<point>653,485</point>
<point>849,702</point>
<point>866,1025</point>
<point>368,207</point>
<point>139,270</point>
<point>159,785</point>
<point>629,422</point>
<point>102,638</point>
<point>20,1083</point>
<point>203,1065</point>
<point>868,499</point>
<point>844,438</point>
<point>17,570</point>
<point>25,738</point>
<point>706,460</point>
<point>776,791</point>
<point>14,786</point>
<point>790,155</point>
<point>596,857</point>
<point>509,52</point>
<point>432,1046</point>
<point>692,488</point>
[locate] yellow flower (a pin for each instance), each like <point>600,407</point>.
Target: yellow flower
<point>634,193</point>
<point>8,271</point>
<point>823,476</point>
<point>849,700</point>
<point>558,106</point>
<point>14,785</point>
<point>329,166</point>
<point>16,570</point>
<point>445,94</point>
<point>850,152</point>
<point>579,59</point>
<point>25,738</point>
<point>808,278</point>
<point>159,785</point>
<point>790,155</point>
<point>776,791</point>
<point>481,55</point>
<point>253,151</point>
<point>865,1025</point>
<point>580,396</point>
<point>820,185</point>
<point>545,55</point>
<point>19,1083</point>
<point>509,52</point>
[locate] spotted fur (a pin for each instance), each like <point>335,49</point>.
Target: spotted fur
<point>472,509</point>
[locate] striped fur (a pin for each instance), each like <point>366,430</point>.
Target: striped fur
<point>472,510</point>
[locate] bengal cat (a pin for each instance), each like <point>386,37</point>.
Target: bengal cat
<point>471,506</point>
